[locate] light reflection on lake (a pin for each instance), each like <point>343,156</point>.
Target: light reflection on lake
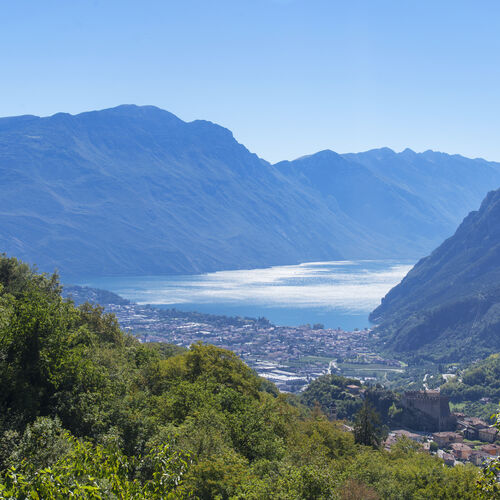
<point>338,293</point>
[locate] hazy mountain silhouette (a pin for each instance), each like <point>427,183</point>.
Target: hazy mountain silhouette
<point>137,190</point>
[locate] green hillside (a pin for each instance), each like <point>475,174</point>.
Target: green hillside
<point>338,395</point>
<point>447,309</point>
<point>476,390</point>
<point>89,412</point>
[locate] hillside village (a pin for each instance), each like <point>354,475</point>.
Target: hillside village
<point>474,441</point>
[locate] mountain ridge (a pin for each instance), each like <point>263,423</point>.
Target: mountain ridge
<point>448,306</point>
<point>137,190</point>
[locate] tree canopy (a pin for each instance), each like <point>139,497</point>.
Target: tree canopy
<point>87,411</point>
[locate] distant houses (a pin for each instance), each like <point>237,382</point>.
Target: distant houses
<point>354,389</point>
<point>488,434</point>
<point>446,439</point>
<point>456,437</point>
<point>491,449</point>
<point>476,429</point>
<point>461,451</point>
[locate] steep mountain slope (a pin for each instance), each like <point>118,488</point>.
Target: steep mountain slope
<point>411,200</point>
<point>449,185</point>
<point>136,190</point>
<point>397,215</point>
<point>448,306</point>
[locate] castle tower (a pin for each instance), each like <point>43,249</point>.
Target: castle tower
<point>432,404</point>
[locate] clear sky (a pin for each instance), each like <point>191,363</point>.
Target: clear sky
<point>288,77</point>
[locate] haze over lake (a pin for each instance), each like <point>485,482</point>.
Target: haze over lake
<point>340,293</point>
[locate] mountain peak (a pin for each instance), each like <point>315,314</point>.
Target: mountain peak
<point>133,111</point>
<point>327,154</point>
<point>408,152</point>
<point>324,154</point>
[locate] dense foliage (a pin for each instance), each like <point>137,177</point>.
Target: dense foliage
<point>88,412</point>
<point>477,388</point>
<point>332,393</point>
<point>344,398</point>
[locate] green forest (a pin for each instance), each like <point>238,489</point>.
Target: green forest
<point>476,390</point>
<point>87,411</point>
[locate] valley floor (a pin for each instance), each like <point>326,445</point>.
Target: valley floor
<point>289,356</point>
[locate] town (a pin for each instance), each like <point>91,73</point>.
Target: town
<point>289,356</point>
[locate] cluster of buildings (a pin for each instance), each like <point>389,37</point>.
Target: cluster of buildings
<point>458,438</point>
<point>476,429</point>
<point>289,356</point>
<point>453,449</point>
<point>449,446</point>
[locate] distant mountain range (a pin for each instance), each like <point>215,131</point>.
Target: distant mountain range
<point>448,306</point>
<point>136,190</point>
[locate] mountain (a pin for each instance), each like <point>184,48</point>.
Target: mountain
<point>136,190</point>
<point>393,215</point>
<point>450,185</point>
<point>448,306</point>
<point>410,200</point>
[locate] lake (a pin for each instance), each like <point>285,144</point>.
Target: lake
<point>337,294</point>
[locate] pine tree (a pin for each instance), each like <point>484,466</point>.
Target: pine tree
<point>367,427</point>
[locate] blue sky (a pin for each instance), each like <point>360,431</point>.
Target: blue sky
<point>288,77</point>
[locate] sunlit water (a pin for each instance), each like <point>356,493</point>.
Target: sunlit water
<point>333,293</point>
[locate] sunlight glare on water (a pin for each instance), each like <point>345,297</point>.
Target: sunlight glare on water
<point>316,291</point>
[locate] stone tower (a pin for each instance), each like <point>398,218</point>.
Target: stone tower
<point>433,404</point>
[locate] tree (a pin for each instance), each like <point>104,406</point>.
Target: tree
<point>367,427</point>
<point>91,471</point>
<point>354,490</point>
